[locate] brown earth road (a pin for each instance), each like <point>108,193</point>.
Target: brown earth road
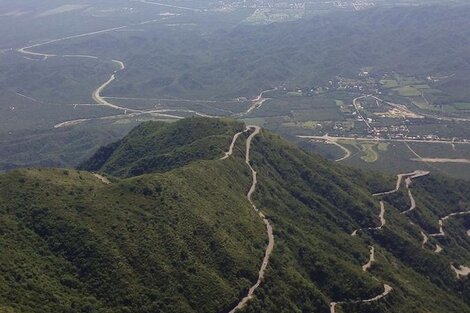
<point>232,144</point>
<point>441,222</point>
<point>387,290</point>
<point>383,221</point>
<point>397,186</point>
<point>102,178</point>
<point>368,265</point>
<point>425,239</point>
<point>462,271</point>
<point>408,181</point>
<point>269,229</point>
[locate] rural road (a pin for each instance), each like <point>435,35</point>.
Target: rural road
<point>257,102</point>
<point>368,265</point>
<point>441,222</point>
<point>269,229</point>
<point>441,160</point>
<point>168,5</point>
<point>356,107</point>
<point>96,94</point>
<point>102,178</point>
<point>377,139</point>
<point>383,221</point>
<point>347,152</point>
<point>462,271</point>
<point>232,144</point>
<point>387,290</point>
<point>408,181</point>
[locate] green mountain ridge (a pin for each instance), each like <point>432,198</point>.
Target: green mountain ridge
<point>173,230</point>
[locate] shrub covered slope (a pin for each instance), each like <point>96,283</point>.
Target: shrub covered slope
<point>173,231</point>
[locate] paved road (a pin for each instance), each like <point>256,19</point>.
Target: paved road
<point>96,95</point>
<point>257,102</point>
<point>442,160</point>
<point>168,5</point>
<point>347,152</point>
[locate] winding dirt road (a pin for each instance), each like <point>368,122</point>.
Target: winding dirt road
<point>408,181</point>
<point>347,152</point>
<point>334,141</point>
<point>441,222</point>
<point>460,272</point>
<point>387,290</point>
<point>365,268</point>
<point>397,186</point>
<point>269,229</point>
<point>368,265</point>
<point>383,221</point>
<point>425,239</point>
<point>232,144</point>
<point>102,178</point>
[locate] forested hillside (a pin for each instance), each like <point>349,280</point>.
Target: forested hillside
<point>167,226</point>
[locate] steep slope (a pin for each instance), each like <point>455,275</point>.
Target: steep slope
<point>196,237</point>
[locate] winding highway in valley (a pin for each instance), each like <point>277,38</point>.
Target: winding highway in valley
<point>97,93</point>
<point>269,229</point>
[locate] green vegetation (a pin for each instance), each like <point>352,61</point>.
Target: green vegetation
<point>408,91</point>
<point>185,239</point>
<point>158,147</point>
